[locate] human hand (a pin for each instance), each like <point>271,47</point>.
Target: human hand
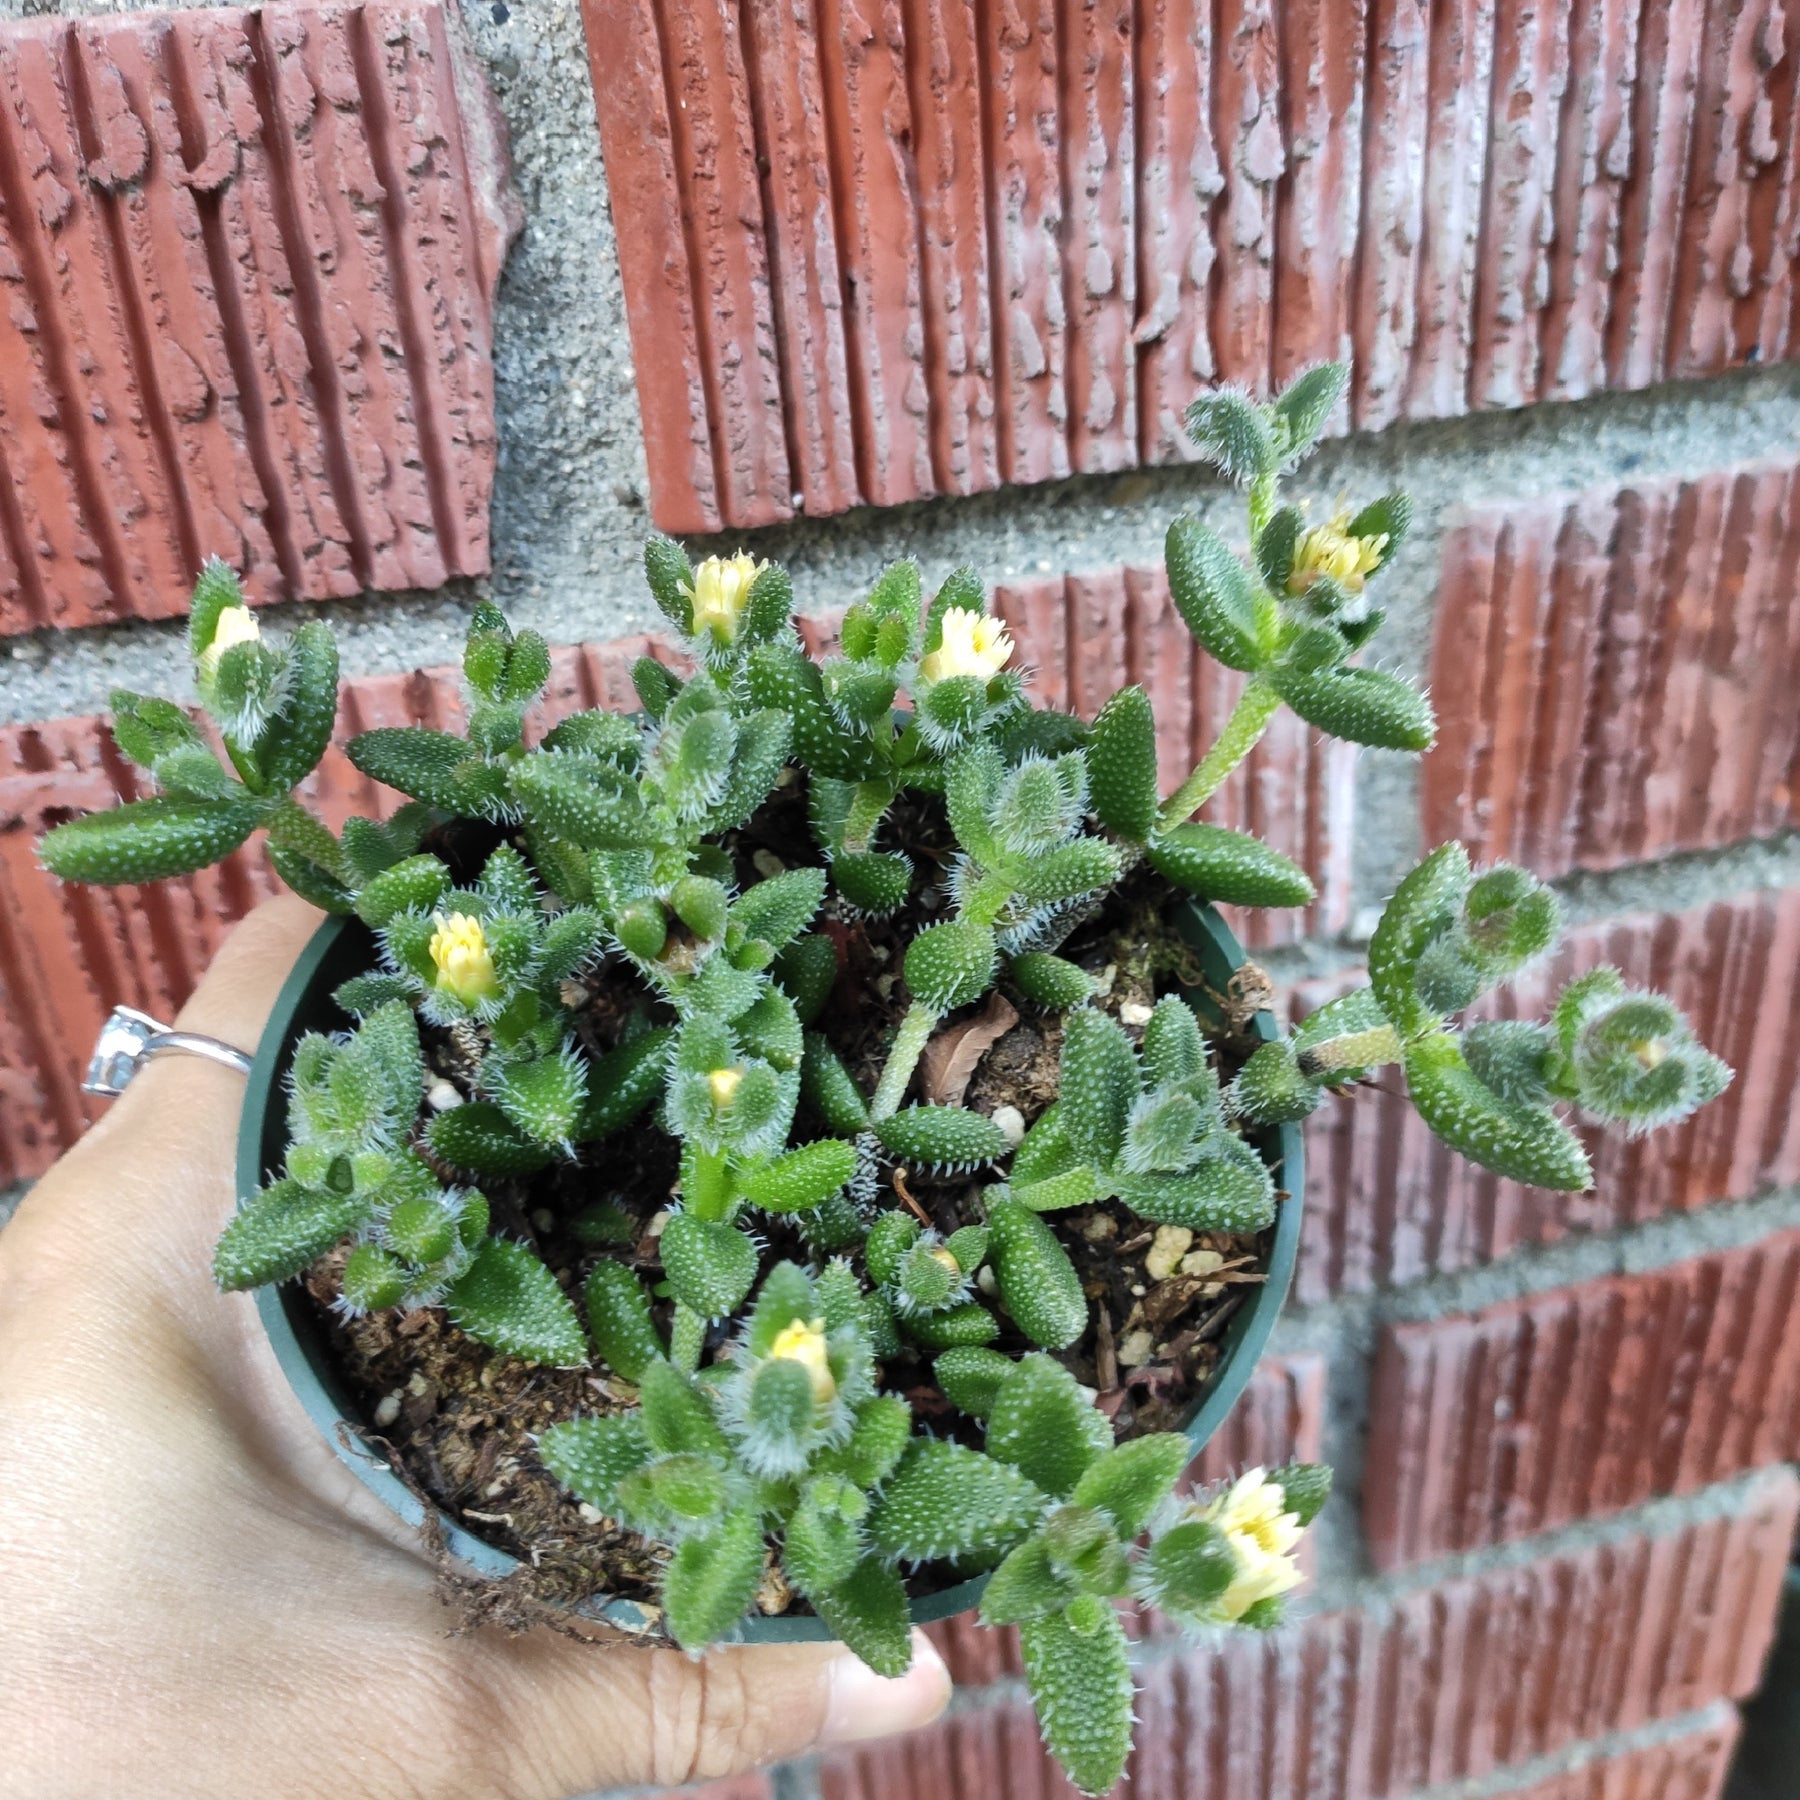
<point>199,1599</point>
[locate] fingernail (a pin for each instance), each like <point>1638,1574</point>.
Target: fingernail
<point>861,1704</point>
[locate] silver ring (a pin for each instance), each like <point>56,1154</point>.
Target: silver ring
<point>130,1038</point>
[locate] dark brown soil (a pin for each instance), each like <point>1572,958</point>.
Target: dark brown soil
<point>462,1420</point>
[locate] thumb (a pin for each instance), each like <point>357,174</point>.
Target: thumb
<point>662,1718</point>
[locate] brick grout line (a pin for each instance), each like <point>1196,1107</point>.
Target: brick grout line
<point>1080,523</point>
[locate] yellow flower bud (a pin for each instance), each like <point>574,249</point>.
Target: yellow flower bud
<point>1331,549</point>
<point>1263,1535</point>
<point>465,965</point>
<point>804,1342</point>
<point>944,1259</point>
<point>721,587</point>
<point>236,625</point>
<point>724,1084</point>
<point>972,644</point>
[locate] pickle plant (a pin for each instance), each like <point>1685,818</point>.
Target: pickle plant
<point>793,1307</point>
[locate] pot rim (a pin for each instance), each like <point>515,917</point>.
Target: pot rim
<point>333,954</point>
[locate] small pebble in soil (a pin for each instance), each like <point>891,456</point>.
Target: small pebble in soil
<point>1103,982</point>
<point>984,1279</point>
<point>592,1515</point>
<point>1098,1227</point>
<point>387,1410</point>
<point>1201,1262</point>
<point>1170,1246</point>
<point>418,1384</point>
<point>657,1221</point>
<point>1134,1012</point>
<point>443,1095</point>
<point>1135,1348</point>
<point>1010,1123</point>
<point>544,1219</point>
<point>1137,1290</point>
<point>768,865</point>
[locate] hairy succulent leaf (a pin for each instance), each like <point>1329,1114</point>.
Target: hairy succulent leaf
<point>509,1301</point>
<point>1303,407</point>
<point>590,1457</point>
<point>1050,980</point>
<point>1045,1424</point>
<point>1037,1280</point>
<point>970,1324</point>
<point>942,1136</point>
<point>1424,905</point>
<point>946,1500</point>
<point>1130,1481</point>
<point>950,965</point>
<point>1078,1670</point>
<point>1527,1143</point>
<point>868,1611</point>
<point>711,1581</point>
<point>619,1321</point>
<point>1362,706</point>
<point>1214,594</point>
<point>1231,866</point>
<point>1270,1089</point>
<point>710,1264</point>
<point>1231,430</point>
<point>828,1088</point>
<point>1306,1487</point>
<point>623,1082</point>
<point>300,732</point>
<point>1121,763</point>
<point>281,1230</point>
<point>148,840</point>
<point>1099,1084</point>
<point>802,1178</point>
<point>1026,1586</point>
<point>970,1377</point>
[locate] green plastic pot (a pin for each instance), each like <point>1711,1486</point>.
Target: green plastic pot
<point>341,948</point>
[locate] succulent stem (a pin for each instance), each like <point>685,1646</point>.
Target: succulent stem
<point>903,1058</point>
<point>1256,706</point>
<point>1354,1050</point>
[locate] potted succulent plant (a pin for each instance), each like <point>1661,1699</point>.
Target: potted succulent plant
<point>786,1161</point>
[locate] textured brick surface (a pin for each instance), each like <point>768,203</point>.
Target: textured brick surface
<point>1690,1767</point>
<point>1523,1417</point>
<point>1442,1685</point>
<point>1279,1419</point>
<point>1086,636</point>
<point>1386,1203</point>
<point>248,261</point>
<point>879,253</point>
<point>69,954</point>
<point>1615,672</point>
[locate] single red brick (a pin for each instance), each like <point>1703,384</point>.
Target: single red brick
<point>1690,1767</point>
<point>249,260</point>
<point>1614,672</point>
<point>1531,1415</point>
<point>1387,1203</point>
<point>1442,1685</point>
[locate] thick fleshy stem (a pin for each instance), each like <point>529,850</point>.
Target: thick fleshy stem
<point>903,1058</point>
<point>1264,492</point>
<point>1354,1050</point>
<point>1256,706</point>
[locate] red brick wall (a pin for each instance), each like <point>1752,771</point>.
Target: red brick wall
<point>918,251</point>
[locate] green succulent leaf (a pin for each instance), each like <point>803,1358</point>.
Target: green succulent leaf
<point>946,1500</point>
<point>710,1264</point>
<point>942,1136</point>
<point>1270,1089</point>
<point>1362,706</point>
<point>1037,1280</point>
<point>479,1138</point>
<point>1129,1482</point>
<point>1100,1084</point>
<point>1527,1143</point>
<point>1303,408</point>
<point>875,882</point>
<point>802,1178</point>
<point>591,1457</point>
<point>509,1301</point>
<point>543,1099</point>
<point>868,1611</point>
<point>711,1581</point>
<point>1026,1586</point>
<point>1306,1487</point>
<point>418,884</point>
<point>827,1086</point>
<point>618,1313</point>
<point>1078,1671</point>
<point>951,965</point>
<point>433,766</point>
<point>677,1416</point>
<point>148,840</point>
<point>970,1324</point>
<point>1227,1187</point>
<point>1231,430</point>
<point>970,1377</point>
<point>1423,906</point>
<point>281,1230</point>
<point>300,732</point>
<point>1051,981</point>
<point>1045,1425</point>
<point>1187,1570</point>
<point>147,729</point>
<point>1232,866</point>
<point>1214,594</point>
<point>623,1082</point>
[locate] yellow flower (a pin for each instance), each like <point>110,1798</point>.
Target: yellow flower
<point>724,1084</point>
<point>972,644</point>
<point>721,586</point>
<point>804,1342</point>
<point>1253,1515</point>
<point>236,625</point>
<point>465,965</point>
<point>1331,549</point>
